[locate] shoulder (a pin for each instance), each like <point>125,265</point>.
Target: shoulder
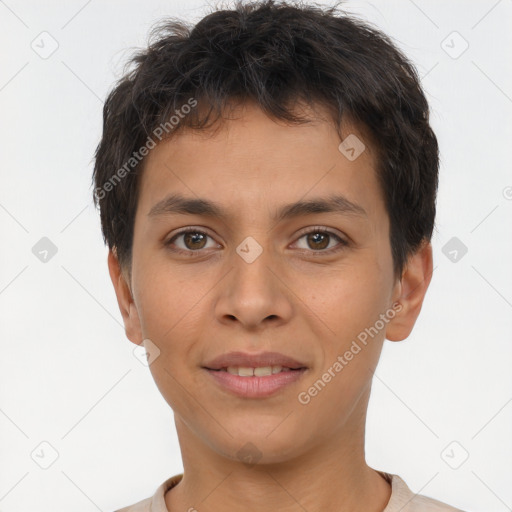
<point>420,503</point>
<point>425,504</point>
<point>404,500</point>
<point>140,506</point>
<point>155,503</point>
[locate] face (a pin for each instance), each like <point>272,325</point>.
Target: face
<point>306,285</point>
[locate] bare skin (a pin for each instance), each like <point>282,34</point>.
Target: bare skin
<point>298,297</point>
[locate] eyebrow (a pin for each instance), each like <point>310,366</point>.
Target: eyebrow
<point>178,204</point>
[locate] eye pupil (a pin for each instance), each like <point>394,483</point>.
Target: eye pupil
<point>194,236</point>
<point>315,236</point>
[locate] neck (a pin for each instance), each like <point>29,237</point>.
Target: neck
<point>332,471</point>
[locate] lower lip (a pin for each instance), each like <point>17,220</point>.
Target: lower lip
<point>256,387</point>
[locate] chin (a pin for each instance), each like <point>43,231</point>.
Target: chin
<point>264,446</point>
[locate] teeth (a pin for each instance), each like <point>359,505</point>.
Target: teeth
<point>244,371</point>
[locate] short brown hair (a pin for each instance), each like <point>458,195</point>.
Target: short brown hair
<point>274,54</point>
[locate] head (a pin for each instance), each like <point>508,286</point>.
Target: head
<point>253,109</point>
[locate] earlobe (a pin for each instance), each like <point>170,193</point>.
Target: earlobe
<point>125,300</point>
<point>411,291</point>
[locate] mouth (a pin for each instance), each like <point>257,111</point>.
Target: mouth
<point>256,375</point>
<point>261,371</point>
<point>259,361</point>
<point>259,382</point>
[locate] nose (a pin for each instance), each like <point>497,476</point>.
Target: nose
<point>255,292</point>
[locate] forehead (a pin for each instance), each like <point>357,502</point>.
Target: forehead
<point>253,160</point>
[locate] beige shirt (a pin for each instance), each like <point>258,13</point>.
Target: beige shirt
<point>402,498</point>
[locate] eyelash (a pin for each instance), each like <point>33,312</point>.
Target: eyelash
<point>343,243</point>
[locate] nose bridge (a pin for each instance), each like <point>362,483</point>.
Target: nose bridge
<point>253,291</point>
<point>252,259</point>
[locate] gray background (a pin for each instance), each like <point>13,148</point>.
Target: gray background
<point>69,377</point>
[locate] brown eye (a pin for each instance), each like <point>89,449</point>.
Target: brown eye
<point>193,240</point>
<point>196,240</point>
<point>318,239</point>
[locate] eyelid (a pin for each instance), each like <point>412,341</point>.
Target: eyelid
<point>322,229</point>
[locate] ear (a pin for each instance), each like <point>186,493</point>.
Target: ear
<point>410,292</point>
<point>125,300</point>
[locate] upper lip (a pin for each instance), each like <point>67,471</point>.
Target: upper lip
<point>253,360</point>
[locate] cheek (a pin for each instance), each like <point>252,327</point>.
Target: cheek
<point>167,298</point>
<point>350,305</point>
<point>171,316</point>
<point>348,299</point>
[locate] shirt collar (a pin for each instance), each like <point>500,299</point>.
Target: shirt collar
<point>400,493</point>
